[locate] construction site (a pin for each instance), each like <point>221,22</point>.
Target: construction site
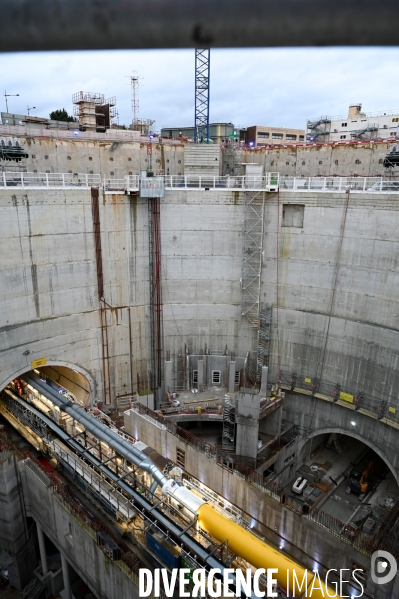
<point>199,347</point>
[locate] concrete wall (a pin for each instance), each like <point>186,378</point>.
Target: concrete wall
<point>14,534</point>
<point>50,300</point>
<point>75,541</point>
<point>121,158</point>
<point>108,158</point>
<point>318,417</point>
<point>322,160</point>
<point>49,284</point>
<point>335,274</point>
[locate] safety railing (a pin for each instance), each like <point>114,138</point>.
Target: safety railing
<point>339,184</point>
<point>270,182</point>
<point>49,180</point>
<point>117,185</point>
<point>366,544</point>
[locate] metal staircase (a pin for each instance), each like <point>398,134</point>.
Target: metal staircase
<point>252,257</point>
<point>314,127</point>
<point>368,129</point>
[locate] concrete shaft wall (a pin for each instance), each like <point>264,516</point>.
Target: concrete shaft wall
<point>338,312</point>
<point>49,302</point>
<point>336,268</point>
<point>48,274</point>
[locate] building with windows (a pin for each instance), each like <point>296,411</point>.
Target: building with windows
<point>218,132</point>
<point>259,136</point>
<point>356,126</point>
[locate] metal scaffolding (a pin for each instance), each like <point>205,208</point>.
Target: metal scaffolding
<point>156,322</point>
<point>252,257</point>
<point>201,125</point>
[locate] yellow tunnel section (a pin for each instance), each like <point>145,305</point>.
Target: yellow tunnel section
<point>258,553</point>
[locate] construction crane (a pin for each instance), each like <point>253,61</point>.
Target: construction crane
<point>201,124</point>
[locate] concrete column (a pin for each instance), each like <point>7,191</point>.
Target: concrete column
<point>65,574</point>
<point>168,375</point>
<point>14,537</point>
<point>232,376</point>
<point>263,384</point>
<point>200,373</point>
<point>42,548</point>
<point>247,421</point>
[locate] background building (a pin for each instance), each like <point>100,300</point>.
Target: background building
<point>357,126</point>
<point>259,136</point>
<point>218,132</point>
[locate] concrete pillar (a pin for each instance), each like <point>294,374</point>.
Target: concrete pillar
<point>65,574</point>
<point>232,376</point>
<point>168,375</point>
<point>42,548</point>
<point>200,373</point>
<point>263,383</point>
<point>14,537</point>
<point>247,421</point>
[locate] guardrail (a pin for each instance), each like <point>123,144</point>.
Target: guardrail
<point>270,182</point>
<point>49,180</point>
<point>339,184</point>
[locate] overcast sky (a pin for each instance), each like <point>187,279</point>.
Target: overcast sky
<point>280,87</point>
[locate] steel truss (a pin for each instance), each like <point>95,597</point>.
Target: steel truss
<point>201,125</point>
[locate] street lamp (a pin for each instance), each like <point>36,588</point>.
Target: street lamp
<point>6,95</point>
<point>31,108</point>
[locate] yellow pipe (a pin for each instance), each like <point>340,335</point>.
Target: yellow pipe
<point>256,552</point>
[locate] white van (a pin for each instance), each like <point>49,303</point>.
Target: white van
<point>299,485</point>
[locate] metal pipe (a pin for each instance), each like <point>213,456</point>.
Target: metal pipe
<point>99,430</point>
<point>90,24</point>
<point>257,552</point>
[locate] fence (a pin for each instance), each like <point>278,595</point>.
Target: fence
<point>339,184</point>
<point>270,182</point>
<point>49,180</point>
<point>366,544</point>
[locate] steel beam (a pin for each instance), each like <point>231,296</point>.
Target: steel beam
<point>103,24</point>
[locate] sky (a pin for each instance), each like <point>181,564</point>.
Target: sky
<point>268,86</point>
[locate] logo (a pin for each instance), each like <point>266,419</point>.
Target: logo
<point>383,567</point>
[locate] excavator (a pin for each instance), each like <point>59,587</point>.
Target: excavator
<point>359,483</point>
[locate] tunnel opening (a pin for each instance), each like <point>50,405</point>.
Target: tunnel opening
<point>65,379</point>
<point>347,483</point>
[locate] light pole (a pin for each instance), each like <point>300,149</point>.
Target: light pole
<point>31,108</point>
<point>6,95</point>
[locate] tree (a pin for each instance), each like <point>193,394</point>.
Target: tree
<point>61,115</point>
